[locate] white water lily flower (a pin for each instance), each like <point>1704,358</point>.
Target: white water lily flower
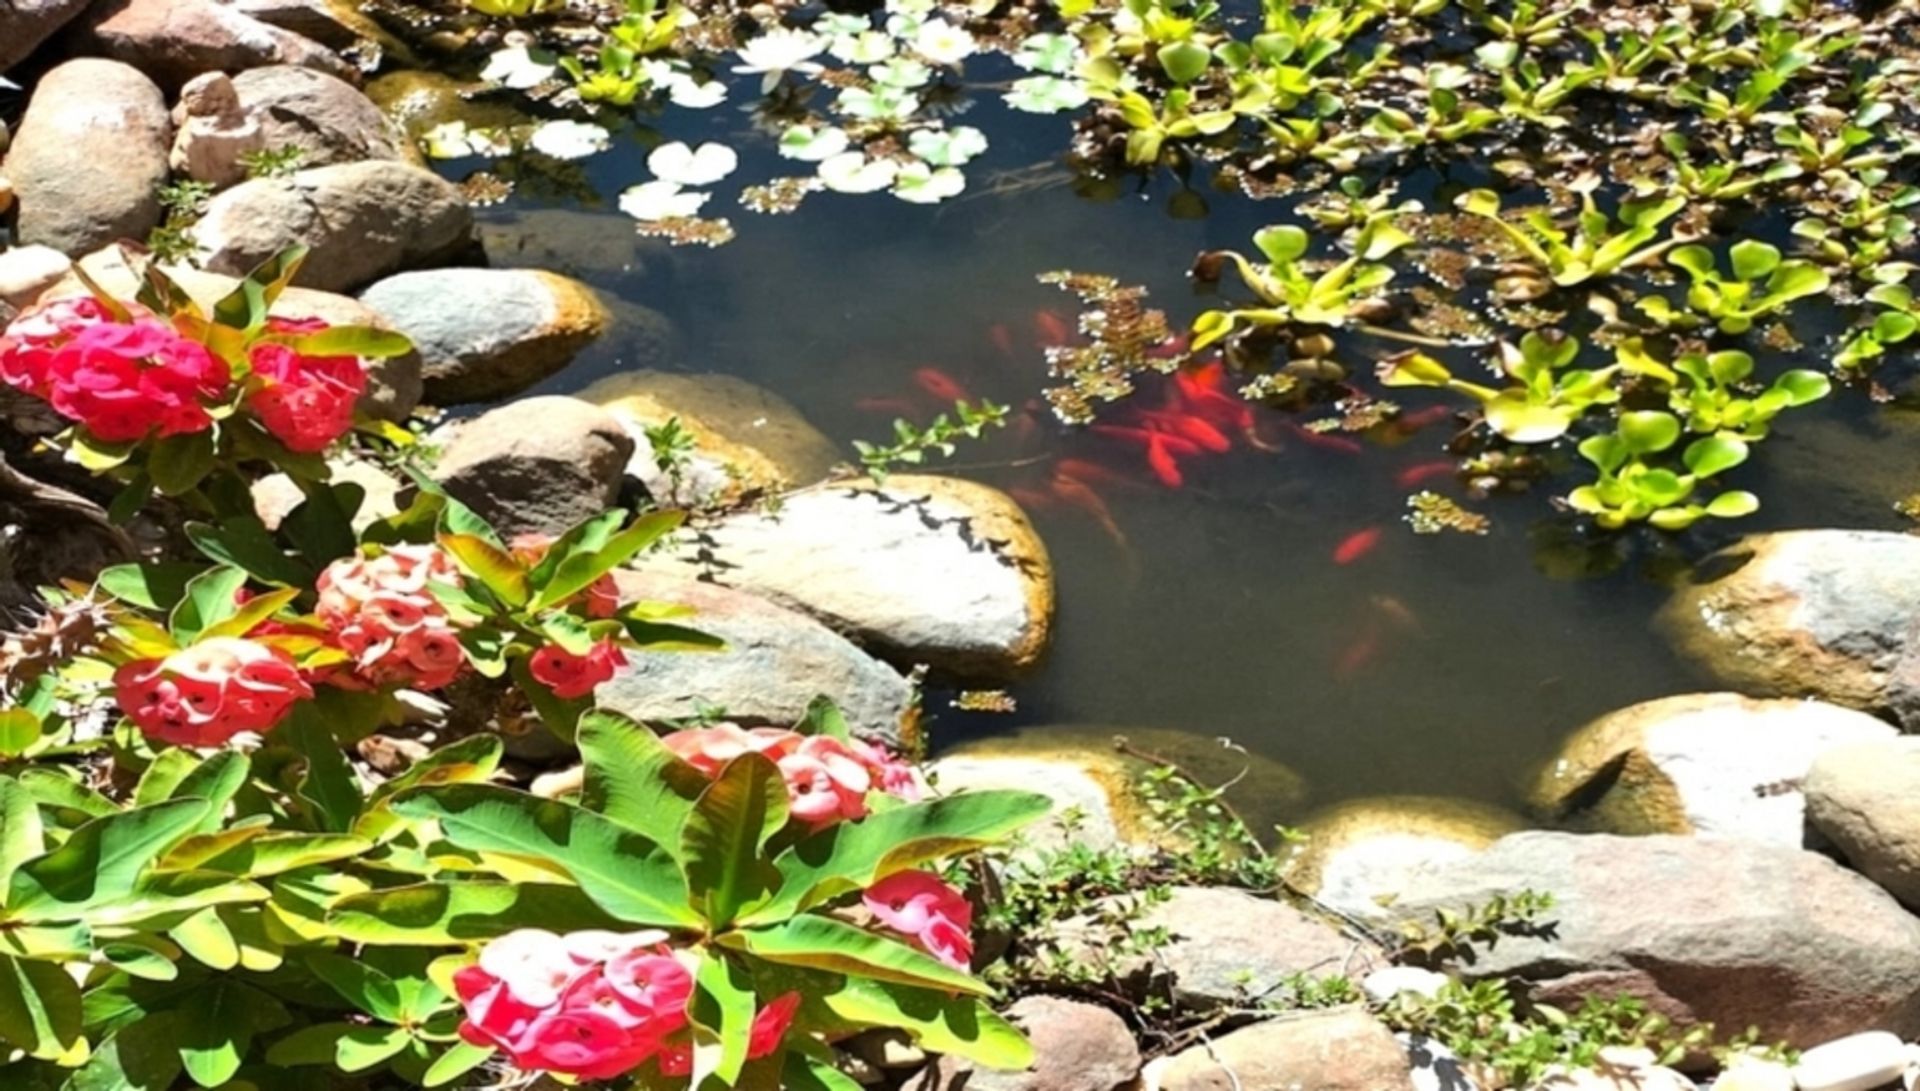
<point>943,43</point>
<point>901,72</point>
<point>520,68</point>
<point>1054,53</point>
<point>569,139</point>
<point>661,201</point>
<point>924,185</point>
<point>810,145</point>
<point>1047,95</point>
<point>947,147</point>
<point>454,140</point>
<point>867,47</point>
<point>877,104</point>
<point>851,172</point>
<point>706,165</point>
<point>778,52</point>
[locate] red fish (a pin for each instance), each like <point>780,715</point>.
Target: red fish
<point>1080,469</point>
<point>1409,423</point>
<point>1323,440</point>
<point>1031,499</point>
<point>1357,545</point>
<point>1002,339</point>
<point>941,385</point>
<point>1179,445</point>
<point>1073,491</point>
<point>1161,461</point>
<point>1356,656</point>
<point>1051,330</point>
<point>1422,472</point>
<point>1190,426</point>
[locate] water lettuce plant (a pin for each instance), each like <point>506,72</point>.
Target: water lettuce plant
<point>1545,398</point>
<point>1758,283</point>
<point>1292,293</point>
<point>1634,486</point>
<point>1594,247</point>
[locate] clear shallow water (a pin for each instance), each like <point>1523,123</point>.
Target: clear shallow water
<point>1443,665</point>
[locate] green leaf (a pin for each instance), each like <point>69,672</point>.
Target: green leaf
<point>359,984</point>
<point>824,943</point>
<point>328,785</point>
<point>1711,455</point>
<point>156,587</point>
<point>721,1013</point>
<point>1797,279</point>
<point>1183,62</point>
<point>243,542</point>
<point>245,308</point>
<point>633,779</point>
<point>39,1007</point>
<point>1523,421</point>
<point>492,565</point>
<point>628,875</point>
<point>1413,369</point>
<point>21,835</point>
<point>459,1059</point>
<point>1649,431</point>
<point>1733,505</point>
<point>430,914</point>
<point>1281,245</point>
<point>1211,326</point>
<point>804,1073</point>
<point>140,1056</point>
<point>210,600</point>
<point>218,1022</point>
<point>100,861</point>
<point>1753,259</point>
<point>578,570</point>
<point>177,464</point>
<point>366,342</point>
<point>1803,386</point>
<point>206,937</point>
<point>959,1025</point>
<point>825,718</point>
<point>855,855</point>
<point>723,843</point>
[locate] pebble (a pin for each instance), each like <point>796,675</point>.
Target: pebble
<point>1748,1073</point>
<point>1383,985</point>
<point>1858,1062</point>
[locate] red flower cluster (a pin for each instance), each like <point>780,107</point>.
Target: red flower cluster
<point>592,1005</point>
<point>206,694</point>
<point>379,610</point>
<point>307,402</point>
<point>569,675</point>
<point>120,381</point>
<point>918,904</point>
<point>827,779</point>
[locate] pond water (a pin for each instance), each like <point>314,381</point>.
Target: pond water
<point>1447,664</point>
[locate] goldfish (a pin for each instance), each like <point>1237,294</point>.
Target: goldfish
<point>1323,440</point>
<point>1357,545</point>
<point>1051,330</point>
<point>1356,656</point>
<point>1190,426</point>
<point>1081,470</point>
<point>1031,499</point>
<point>1423,472</point>
<point>1410,423</point>
<point>1002,339</point>
<point>1161,461</point>
<point>941,385</point>
<point>1073,491</point>
<point>1398,613</point>
<point>1146,437</point>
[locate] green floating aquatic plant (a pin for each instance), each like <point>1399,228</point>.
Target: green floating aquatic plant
<point>1898,321</point>
<point>1760,284</point>
<point>1343,295</point>
<point>1632,488</point>
<point>1545,398</point>
<point>1706,389</point>
<point>1594,248</point>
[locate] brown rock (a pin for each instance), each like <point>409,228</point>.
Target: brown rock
<point>25,24</point>
<point>89,157</point>
<point>327,118</point>
<point>175,40</point>
<point>1342,1050</point>
<point>1361,852</point>
<point>536,465</point>
<point>1865,799</point>
<point>1076,1047</point>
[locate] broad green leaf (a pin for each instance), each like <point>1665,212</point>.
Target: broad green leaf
<point>210,600</point>
<point>218,1022</point>
<point>156,587</point>
<point>140,1056</point>
<point>1648,431</point>
<point>65,795</point>
<point>1209,327</point>
<point>1281,245</point>
<point>628,875</point>
<point>216,780</point>
<point>1183,62</point>
<point>457,1061</point>
<point>825,718</point>
<point>1733,505</point>
<point>1413,369</point>
<point>721,1014</point>
<point>138,956</point>
<point>1711,455</point>
<point>168,769</point>
<point>1753,259</point>
<point>824,943</point>
<point>1797,279</point>
<point>633,779</point>
<point>723,843</point>
<point>328,786</point>
<point>242,541</point>
<point>177,464</point>
<point>579,570</point>
<point>363,341</point>
<point>206,937</point>
<point>39,1007</point>
<point>245,308</point>
<point>804,1073</point>
<point>256,610</point>
<point>359,984</point>
<point>172,895</point>
<point>855,855</point>
<point>21,836</point>
<point>271,852</point>
<point>1523,421</point>
<point>1803,386</point>
<point>1696,260</point>
<point>445,913</point>
<point>586,537</point>
<point>492,565</point>
<point>960,1025</point>
<point>100,861</point>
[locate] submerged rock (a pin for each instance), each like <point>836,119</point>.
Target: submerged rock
<point>361,221</point>
<point>745,438</point>
<point>89,157</point>
<point>175,40</point>
<point>1076,1046</point>
<point>419,100</point>
<point>1361,852</point>
<point>1807,613</point>
<point>1340,1050</point>
<point>538,465</point>
<point>485,334</point>
<point>923,569</point>
<point>1735,933</point>
<point>1717,764</point>
<point>600,247</point>
<point>25,24</point>
<point>775,663</point>
<point>325,117</point>
<point>1865,800</point>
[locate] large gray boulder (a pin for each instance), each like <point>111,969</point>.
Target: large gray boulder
<point>1807,613</point>
<point>1344,1049</point>
<point>326,117</point>
<point>923,569</point>
<point>1716,764</point>
<point>1359,853</point>
<point>775,663</point>
<point>175,40</point>
<point>361,222</point>
<point>1865,799</point>
<point>486,334</point>
<point>538,465</point>
<point>25,24</point>
<point>1734,933</point>
<point>90,157</point>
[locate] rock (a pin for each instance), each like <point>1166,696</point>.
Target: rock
<point>745,438</point>
<point>89,157</point>
<point>1384,984</point>
<point>1339,1050</point>
<point>393,384</point>
<point>419,100</point>
<point>336,24</point>
<point>1861,798</point>
<point>1858,1062</point>
<point>1076,1047</point>
<point>1716,764</point>
<point>923,569</point>
<point>593,246</point>
<point>1807,613</point>
<point>485,334</point>
<point>1434,1066</point>
<point>27,271</point>
<point>1746,1072</point>
<point>25,24</point>
<point>1636,1072</point>
<point>175,40</point>
<point>214,132</point>
<point>536,465</point>
<point>1736,933</point>
<point>775,663</point>
<point>328,119</point>
<point>276,495</point>
<point>1097,788</point>
<point>361,221</point>
<point>1362,851</point>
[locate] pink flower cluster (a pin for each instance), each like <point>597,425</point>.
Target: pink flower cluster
<point>380,611</point>
<point>918,904</point>
<point>592,1005</point>
<point>119,381</point>
<point>570,676</point>
<point>307,402</point>
<point>206,694</point>
<point>827,779</point>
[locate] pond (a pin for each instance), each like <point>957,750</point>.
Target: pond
<point>1277,594</point>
